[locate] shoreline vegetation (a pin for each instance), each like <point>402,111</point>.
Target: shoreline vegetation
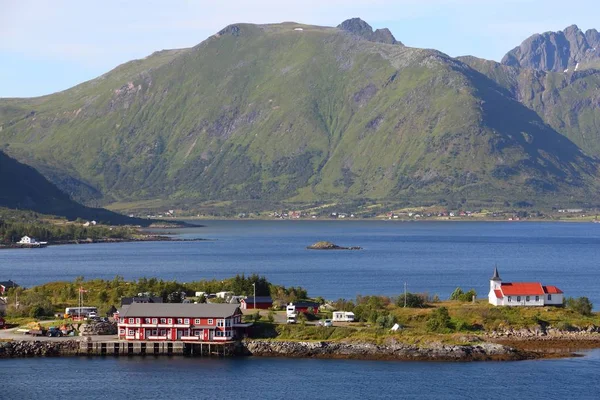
<point>15,224</point>
<point>427,328</point>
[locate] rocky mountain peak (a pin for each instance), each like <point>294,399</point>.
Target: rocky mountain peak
<point>358,27</point>
<point>556,51</point>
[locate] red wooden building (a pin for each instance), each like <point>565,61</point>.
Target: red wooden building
<point>181,322</point>
<point>304,306</point>
<point>262,303</point>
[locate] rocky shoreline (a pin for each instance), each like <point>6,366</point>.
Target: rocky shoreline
<point>508,345</point>
<point>38,348</point>
<point>298,349</point>
<point>393,350</point>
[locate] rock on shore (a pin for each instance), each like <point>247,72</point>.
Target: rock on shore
<point>390,351</point>
<point>38,348</point>
<point>330,246</point>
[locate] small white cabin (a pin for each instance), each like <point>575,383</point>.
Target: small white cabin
<point>28,240</point>
<point>343,316</point>
<point>224,295</point>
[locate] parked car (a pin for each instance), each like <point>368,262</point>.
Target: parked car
<point>326,323</point>
<point>54,332</point>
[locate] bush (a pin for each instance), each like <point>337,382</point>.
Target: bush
<point>412,300</point>
<point>439,321</point>
<point>459,295</point>
<point>386,321</point>
<point>271,316</point>
<point>256,316</point>
<point>582,305</point>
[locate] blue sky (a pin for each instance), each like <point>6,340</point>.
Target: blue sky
<point>48,46</point>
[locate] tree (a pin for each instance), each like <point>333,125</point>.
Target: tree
<point>174,297</point>
<point>412,300</point>
<point>582,305</point>
<point>386,321</point>
<point>439,321</point>
<point>458,292</point>
<point>459,295</point>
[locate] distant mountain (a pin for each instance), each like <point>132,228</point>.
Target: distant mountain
<point>300,113</point>
<point>22,187</point>
<point>360,28</point>
<point>557,51</point>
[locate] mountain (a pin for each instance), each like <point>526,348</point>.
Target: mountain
<point>556,74</point>
<point>297,113</point>
<point>25,188</point>
<point>557,51</point>
<point>360,28</point>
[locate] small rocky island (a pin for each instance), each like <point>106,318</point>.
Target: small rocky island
<point>330,246</point>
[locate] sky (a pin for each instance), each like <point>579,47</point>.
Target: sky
<point>50,45</point>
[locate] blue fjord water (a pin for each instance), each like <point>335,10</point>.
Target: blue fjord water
<point>432,257</point>
<point>265,378</point>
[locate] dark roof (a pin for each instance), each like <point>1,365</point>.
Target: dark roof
<point>178,310</point>
<point>496,276</point>
<point>8,284</point>
<point>259,299</point>
<point>141,299</point>
<point>303,304</point>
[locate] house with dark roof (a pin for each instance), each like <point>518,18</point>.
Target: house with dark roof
<point>5,285</point>
<point>523,294</point>
<point>258,302</point>
<point>140,299</point>
<point>181,322</point>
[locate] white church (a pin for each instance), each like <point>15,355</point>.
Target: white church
<point>523,294</point>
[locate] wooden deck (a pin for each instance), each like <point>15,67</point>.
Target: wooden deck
<point>152,348</point>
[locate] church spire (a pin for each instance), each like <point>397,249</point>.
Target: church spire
<point>496,276</point>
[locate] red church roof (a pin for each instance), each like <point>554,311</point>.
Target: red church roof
<point>552,290</point>
<point>522,288</point>
<point>498,293</point>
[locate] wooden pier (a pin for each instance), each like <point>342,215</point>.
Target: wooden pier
<point>145,348</point>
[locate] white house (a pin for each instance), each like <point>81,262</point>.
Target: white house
<point>343,316</point>
<point>27,240</point>
<point>528,294</point>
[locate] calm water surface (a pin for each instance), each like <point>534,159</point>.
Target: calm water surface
<point>431,257</point>
<point>149,378</point>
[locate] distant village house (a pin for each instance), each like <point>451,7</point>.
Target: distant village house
<point>5,285</point>
<point>262,303</point>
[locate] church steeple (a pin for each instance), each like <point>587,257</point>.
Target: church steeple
<point>496,276</point>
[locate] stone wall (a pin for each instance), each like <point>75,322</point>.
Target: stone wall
<point>392,350</point>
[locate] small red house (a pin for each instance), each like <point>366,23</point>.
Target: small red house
<point>304,306</point>
<point>262,303</point>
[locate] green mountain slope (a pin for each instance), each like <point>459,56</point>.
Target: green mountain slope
<point>569,102</point>
<point>22,187</point>
<point>295,112</point>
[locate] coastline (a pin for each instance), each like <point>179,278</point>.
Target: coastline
<point>149,238</point>
<point>391,350</point>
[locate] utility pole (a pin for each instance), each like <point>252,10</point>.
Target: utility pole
<point>405,294</point>
<point>254,285</point>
